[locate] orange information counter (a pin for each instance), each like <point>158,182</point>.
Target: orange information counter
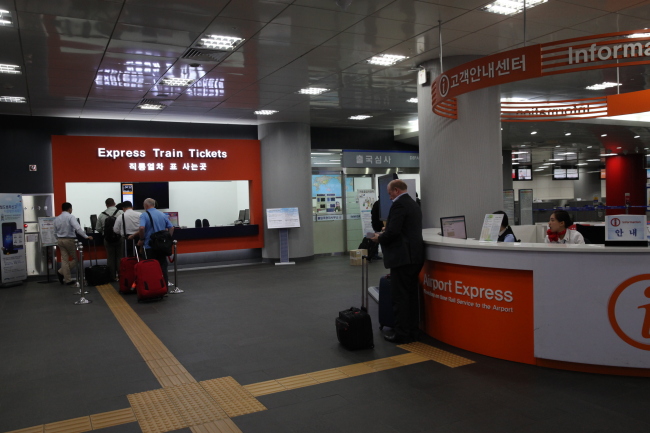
<point>576,307</point>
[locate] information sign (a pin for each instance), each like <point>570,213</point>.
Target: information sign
<point>47,231</point>
<point>491,228</point>
<point>282,218</point>
<point>626,228</point>
<point>366,199</point>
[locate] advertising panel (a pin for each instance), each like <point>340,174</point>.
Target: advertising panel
<point>13,266</point>
<point>366,199</point>
<point>282,218</point>
<point>483,310</point>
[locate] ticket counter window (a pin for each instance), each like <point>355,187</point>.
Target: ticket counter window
<point>219,202</point>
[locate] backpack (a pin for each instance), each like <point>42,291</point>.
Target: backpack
<point>109,223</point>
<point>160,241</point>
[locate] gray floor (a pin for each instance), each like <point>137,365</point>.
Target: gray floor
<point>264,322</point>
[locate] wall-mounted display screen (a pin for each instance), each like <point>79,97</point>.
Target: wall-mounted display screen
<point>522,173</point>
<point>138,192</point>
<point>565,174</point>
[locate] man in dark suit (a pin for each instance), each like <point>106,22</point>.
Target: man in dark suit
<point>403,250</point>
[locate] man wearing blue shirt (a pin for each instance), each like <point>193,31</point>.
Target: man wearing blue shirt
<point>160,223</point>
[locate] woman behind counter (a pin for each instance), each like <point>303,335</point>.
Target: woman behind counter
<point>558,230</point>
<point>505,232</point>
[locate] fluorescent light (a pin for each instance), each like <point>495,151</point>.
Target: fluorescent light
<point>567,134</point>
<point>151,106</point>
<point>639,35</point>
<point>13,99</point>
<point>533,133</point>
<point>514,99</point>
<point>567,153</point>
<point>538,170</point>
<point>603,135</point>
<point>557,145</point>
<point>637,136</point>
<point>386,59</point>
<point>265,112</point>
<point>412,100</point>
<point>602,86</point>
<point>619,147</point>
<point>510,7</point>
<point>359,117</point>
<point>608,154</point>
<point>323,163</point>
<point>335,160</point>
<point>9,69</point>
<point>5,18</point>
<point>322,153</point>
<point>593,160</point>
<point>582,163</point>
<point>517,159</point>
<point>519,153</point>
<point>312,91</point>
<point>589,147</point>
<point>557,159</point>
<point>515,163</point>
<point>172,81</point>
<point>218,42</point>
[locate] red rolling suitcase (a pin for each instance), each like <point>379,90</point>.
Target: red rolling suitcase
<point>149,280</point>
<point>127,272</point>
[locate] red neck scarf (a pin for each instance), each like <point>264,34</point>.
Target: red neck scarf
<point>555,237</point>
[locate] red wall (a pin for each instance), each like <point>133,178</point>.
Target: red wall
<point>75,159</point>
<point>626,173</point>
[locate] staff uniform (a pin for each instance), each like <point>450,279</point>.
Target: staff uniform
<point>66,227</point>
<point>571,237</point>
<point>131,221</point>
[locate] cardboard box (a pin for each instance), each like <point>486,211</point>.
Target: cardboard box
<point>355,256</point>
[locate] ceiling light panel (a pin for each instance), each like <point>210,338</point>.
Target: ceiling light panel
<point>265,112</point>
<point>412,100</point>
<point>601,86</point>
<point>180,82</point>
<point>9,69</point>
<point>13,99</point>
<point>510,7</point>
<point>359,117</point>
<point>219,42</point>
<point>151,106</point>
<point>313,91</point>
<point>5,18</point>
<point>386,59</point>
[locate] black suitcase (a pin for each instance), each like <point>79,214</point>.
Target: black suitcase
<point>353,326</point>
<point>386,312</point>
<point>98,274</point>
<point>371,246</point>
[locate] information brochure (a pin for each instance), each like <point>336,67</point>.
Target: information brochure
<point>491,227</point>
<point>282,218</point>
<point>46,229</point>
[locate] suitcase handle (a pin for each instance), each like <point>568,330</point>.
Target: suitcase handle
<point>364,283</point>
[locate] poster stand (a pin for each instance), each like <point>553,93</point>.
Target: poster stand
<point>283,219</point>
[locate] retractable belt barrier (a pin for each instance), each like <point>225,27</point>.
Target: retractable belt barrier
<point>173,260</point>
<point>80,276</point>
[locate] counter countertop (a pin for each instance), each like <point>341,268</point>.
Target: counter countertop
<point>431,237</point>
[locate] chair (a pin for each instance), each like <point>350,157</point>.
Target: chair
<point>197,224</point>
<point>206,223</point>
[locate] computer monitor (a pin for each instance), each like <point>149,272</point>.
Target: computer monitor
<point>247,216</point>
<point>453,227</point>
<point>173,218</point>
<point>242,215</point>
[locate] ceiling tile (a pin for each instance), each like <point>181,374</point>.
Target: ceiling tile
<point>355,41</point>
<point>562,14</point>
<point>361,7</point>
<point>98,10</point>
<point>390,29</point>
<point>209,7</point>
<point>612,23</point>
<point>254,10</point>
<point>419,12</point>
<point>605,5</point>
<point>316,18</point>
<point>135,33</point>
<point>160,18</point>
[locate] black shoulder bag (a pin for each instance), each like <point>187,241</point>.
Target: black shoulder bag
<point>161,241</point>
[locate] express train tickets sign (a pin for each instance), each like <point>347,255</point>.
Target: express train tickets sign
<point>163,159</point>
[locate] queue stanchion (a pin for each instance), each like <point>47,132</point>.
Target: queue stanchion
<point>176,290</point>
<point>80,278</point>
<point>80,270</point>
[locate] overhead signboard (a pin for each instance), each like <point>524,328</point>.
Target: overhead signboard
<point>365,159</point>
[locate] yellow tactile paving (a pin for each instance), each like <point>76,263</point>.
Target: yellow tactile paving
<point>383,364</point>
<point>435,354</point>
<point>156,411</point>
<point>160,360</point>
<point>328,375</point>
<point>232,397</point>
<point>195,405</point>
<point>299,381</point>
<point>110,419</point>
<point>222,426</point>
<point>76,425</point>
<point>409,358</point>
<point>263,388</point>
<point>356,370</point>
